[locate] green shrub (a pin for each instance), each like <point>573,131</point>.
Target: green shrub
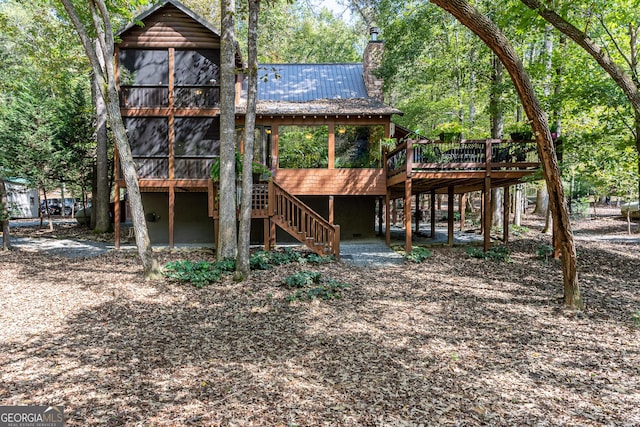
<point>329,290</point>
<point>417,254</point>
<point>636,319</point>
<point>302,279</point>
<point>496,253</point>
<point>198,273</point>
<point>543,252</point>
<point>260,260</point>
<point>227,265</point>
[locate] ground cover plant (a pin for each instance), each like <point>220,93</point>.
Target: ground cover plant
<point>456,340</point>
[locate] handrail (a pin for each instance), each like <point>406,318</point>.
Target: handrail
<point>302,222</point>
<point>423,155</point>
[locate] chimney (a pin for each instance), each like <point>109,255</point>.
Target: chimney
<point>371,61</point>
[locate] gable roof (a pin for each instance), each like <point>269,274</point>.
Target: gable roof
<point>294,89</point>
<point>162,4</point>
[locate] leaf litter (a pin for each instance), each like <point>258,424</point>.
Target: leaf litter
<point>453,341</point>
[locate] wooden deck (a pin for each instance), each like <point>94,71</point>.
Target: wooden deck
<point>459,167</point>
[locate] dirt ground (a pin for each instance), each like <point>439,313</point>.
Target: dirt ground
<point>454,341</point>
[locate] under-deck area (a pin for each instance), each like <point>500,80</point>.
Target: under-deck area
<point>455,167</point>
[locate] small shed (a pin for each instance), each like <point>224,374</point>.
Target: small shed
<point>24,201</point>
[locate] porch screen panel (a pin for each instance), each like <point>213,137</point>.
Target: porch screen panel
<point>197,143</point>
<point>303,147</point>
<point>197,78</point>
<point>149,142</point>
<point>144,78</point>
<point>358,146</point>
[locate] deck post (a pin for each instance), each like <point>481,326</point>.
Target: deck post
<point>432,212</point>
<point>487,202</point>
<point>463,210</point>
<point>116,216</point>
<point>407,214</point>
<point>505,215</point>
<point>265,232</point>
<point>172,209</point>
<point>387,218</point>
<point>331,217</point>
<point>450,211</point>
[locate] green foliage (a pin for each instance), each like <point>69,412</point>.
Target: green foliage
<point>518,127</point>
<point>417,254</point>
<point>199,274</point>
<point>302,279</point>
<point>544,251</point>
<point>226,265</point>
<point>496,253</point>
<point>636,319</point>
<point>303,147</point>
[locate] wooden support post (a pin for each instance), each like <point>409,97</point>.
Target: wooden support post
<point>172,210</point>
<point>407,215</point>
<point>505,215</point>
<point>450,212</point>
<point>216,230</point>
<point>463,210</point>
<point>387,218</point>
<point>486,208</point>
<point>266,227</point>
<point>418,213</point>
<point>331,206</point>
<point>432,210</point>
<point>116,216</point>
<point>380,219</point>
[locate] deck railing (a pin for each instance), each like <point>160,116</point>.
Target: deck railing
<point>158,96</point>
<point>471,155</point>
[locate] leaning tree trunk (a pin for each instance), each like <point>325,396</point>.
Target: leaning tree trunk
<point>4,216</point>
<point>244,239</point>
<point>498,43</point>
<point>227,244</point>
<point>104,70</point>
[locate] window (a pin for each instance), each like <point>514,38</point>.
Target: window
<point>197,137</point>
<point>303,147</point>
<point>197,67</point>
<point>358,146</point>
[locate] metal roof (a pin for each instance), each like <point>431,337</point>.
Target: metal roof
<point>310,82</point>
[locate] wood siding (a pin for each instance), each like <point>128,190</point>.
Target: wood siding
<point>169,27</point>
<point>328,182</point>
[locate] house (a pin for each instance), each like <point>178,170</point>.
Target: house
<point>319,127</point>
<point>23,200</point>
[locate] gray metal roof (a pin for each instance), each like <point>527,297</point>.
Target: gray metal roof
<point>310,82</point>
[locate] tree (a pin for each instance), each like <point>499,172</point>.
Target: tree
<point>498,43</point>
<point>244,238</point>
<point>4,216</point>
<point>227,245</point>
<point>106,81</point>
<point>629,84</point>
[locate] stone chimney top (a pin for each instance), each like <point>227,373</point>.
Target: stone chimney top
<point>371,61</point>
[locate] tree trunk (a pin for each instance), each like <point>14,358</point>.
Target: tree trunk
<point>495,98</point>
<point>226,247</point>
<point>497,42</point>
<point>100,221</point>
<point>244,239</point>
<point>517,210</point>
<point>106,82</point>
<point>542,201</point>
<point>496,207</point>
<point>4,216</point>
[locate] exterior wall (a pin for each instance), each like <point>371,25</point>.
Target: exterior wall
<point>23,201</point>
<point>191,221</point>
<point>327,182</point>
<point>169,27</point>
<point>355,216</point>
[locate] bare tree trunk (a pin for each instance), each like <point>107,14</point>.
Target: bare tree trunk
<point>542,201</point>
<point>106,81</point>
<point>495,98</point>
<point>244,239</point>
<point>496,208</point>
<point>227,244</point>
<point>497,42</point>
<point>517,210</point>
<point>100,221</point>
<point>4,216</point>
<point>46,207</point>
